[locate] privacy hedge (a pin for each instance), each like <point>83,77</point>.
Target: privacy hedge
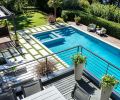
<point>113,28</point>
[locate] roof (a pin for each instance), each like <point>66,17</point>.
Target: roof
<point>5,13</point>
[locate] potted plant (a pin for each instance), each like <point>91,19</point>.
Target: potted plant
<point>107,85</point>
<point>79,61</point>
<point>77,20</point>
<point>44,68</point>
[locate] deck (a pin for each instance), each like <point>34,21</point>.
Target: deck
<point>66,84</point>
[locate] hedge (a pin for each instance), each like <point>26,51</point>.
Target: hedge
<point>113,28</point>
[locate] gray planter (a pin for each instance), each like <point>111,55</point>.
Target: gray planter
<point>78,70</point>
<point>106,92</point>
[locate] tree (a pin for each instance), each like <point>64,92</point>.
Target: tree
<point>55,4</point>
<point>14,5</point>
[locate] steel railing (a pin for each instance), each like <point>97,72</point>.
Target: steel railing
<point>95,64</point>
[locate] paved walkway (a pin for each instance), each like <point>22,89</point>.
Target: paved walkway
<point>31,51</point>
<point>109,39</point>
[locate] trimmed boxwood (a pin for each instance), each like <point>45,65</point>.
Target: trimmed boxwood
<point>113,28</point>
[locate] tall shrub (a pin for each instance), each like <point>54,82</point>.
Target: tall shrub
<point>113,28</point>
<point>71,4</point>
<point>109,12</point>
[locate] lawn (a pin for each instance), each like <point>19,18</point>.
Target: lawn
<point>31,19</point>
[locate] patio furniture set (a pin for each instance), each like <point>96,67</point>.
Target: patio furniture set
<point>93,28</point>
<point>35,91</point>
<point>30,88</point>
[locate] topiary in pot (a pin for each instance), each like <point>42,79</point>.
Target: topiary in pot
<point>107,85</point>
<point>79,61</point>
<point>77,20</point>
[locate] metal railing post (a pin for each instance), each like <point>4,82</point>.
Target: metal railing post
<point>107,68</point>
<point>46,65</point>
<point>81,50</point>
<point>78,49</point>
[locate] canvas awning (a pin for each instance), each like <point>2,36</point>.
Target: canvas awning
<point>5,13</point>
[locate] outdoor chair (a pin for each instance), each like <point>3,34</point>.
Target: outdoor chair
<point>101,32</point>
<point>79,93</point>
<point>32,88</point>
<point>9,95</point>
<point>91,27</point>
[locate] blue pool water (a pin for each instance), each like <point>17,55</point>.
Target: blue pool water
<point>74,37</point>
<point>96,66</point>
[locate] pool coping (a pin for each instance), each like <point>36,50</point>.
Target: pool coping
<point>111,44</point>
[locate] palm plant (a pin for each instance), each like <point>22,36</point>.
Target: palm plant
<point>55,4</point>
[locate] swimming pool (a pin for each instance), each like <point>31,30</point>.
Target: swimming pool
<point>96,66</point>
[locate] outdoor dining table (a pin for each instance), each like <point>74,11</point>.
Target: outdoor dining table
<point>50,93</point>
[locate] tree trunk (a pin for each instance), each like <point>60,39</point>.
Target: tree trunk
<point>55,12</point>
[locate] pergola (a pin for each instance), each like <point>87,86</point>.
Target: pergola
<point>6,14</point>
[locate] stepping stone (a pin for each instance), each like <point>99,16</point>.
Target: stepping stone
<point>7,54</point>
<point>32,42</point>
<point>1,55</point>
<point>22,41</point>
<point>38,29</point>
<point>14,52</point>
<point>12,59</point>
<point>53,26</point>
<point>32,30</point>
<point>19,58</point>
<point>38,56</point>
<point>33,52</point>
<point>49,27</point>
<point>22,50</point>
<point>21,32</point>
<point>43,28</point>
<point>43,52</point>
<point>29,57</point>
<point>26,37</point>
<point>52,59</point>
<point>27,31</point>
<point>27,46</point>
<point>37,46</point>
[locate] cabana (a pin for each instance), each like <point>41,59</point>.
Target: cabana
<point>5,14</point>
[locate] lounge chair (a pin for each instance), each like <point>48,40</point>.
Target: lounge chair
<point>79,93</point>
<point>9,95</point>
<point>101,32</point>
<point>32,88</point>
<point>91,27</point>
